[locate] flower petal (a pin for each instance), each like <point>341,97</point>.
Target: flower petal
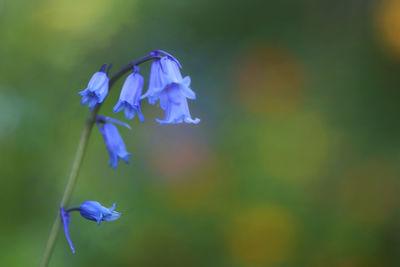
<point>65,216</point>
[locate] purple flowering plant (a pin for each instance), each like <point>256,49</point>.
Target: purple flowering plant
<point>166,86</point>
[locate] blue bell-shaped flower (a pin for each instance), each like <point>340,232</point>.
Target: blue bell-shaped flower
<point>113,140</point>
<point>97,89</point>
<point>91,210</point>
<point>94,211</point>
<point>130,96</point>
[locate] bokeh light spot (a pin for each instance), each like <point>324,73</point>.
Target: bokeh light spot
<point>269,81</point>
<point>205,191</point>
<point>73,16</point>
<point>262,236</point>
<point>174,159</point>
<point>67,30</point>
<point>296,149</point>
<point>388,24</point>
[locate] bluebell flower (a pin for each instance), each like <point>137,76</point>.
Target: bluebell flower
<point>91,210</point>
<point>65,216</point>
<point>173,98</point>
<point>168,85</point>
<point>174,101</point>
<point>94,211</point>
<point>130,96</point>
<point>155,82</point>
<point>97,89</point>
<point>171,71</point>
<point>113,140</point>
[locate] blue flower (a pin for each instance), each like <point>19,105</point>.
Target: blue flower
<point>174,101</point>
<point>155,82</point>
<point>94,211</point>
<point>113,140</point>
<point>130,96</point>
<point>173,97</point>
<point>91,210</point>
<point>168,85</point>
<point>171,71</point>
<point>65,216</point>
<point>97,89</point>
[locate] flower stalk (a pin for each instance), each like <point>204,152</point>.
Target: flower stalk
<point>79,156</point>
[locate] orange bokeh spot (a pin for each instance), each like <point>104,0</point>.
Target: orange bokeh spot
<point>262,236</point>
<point>175,160</point>
<point>269,81</point>
<point>388,24</point>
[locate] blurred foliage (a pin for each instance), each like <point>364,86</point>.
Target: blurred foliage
<point>295,161</point>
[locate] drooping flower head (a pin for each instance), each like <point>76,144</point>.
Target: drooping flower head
<point>91,210</point>
<point>130,95</point>
<point>97,89</point>
<point>113,140</point>
<point>168,85</point>
<point>94,211</point>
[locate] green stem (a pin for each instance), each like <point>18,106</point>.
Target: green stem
<point>80,153</point>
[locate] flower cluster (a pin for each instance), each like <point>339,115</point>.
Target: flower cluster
<point>166,85</point>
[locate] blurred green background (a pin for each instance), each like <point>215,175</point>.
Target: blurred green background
<point>295,161</point>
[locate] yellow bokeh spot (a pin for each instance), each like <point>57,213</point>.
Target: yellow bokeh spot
<point>203,190</point>
<point>66,30</point>
<point>369,191</point>
<point>296,149</point>
<point>388,24</point>
<point>262,236</point>
<point>269,81</point>
<point>73,16</point>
